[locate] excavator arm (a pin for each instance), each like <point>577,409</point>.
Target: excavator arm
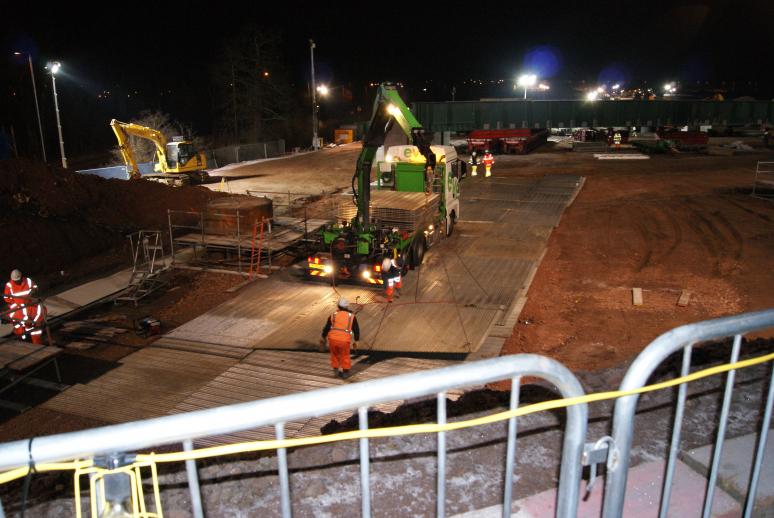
<point>388,109</point>
<point>125,129</point>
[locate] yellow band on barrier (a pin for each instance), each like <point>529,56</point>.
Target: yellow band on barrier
<point>392,431</point>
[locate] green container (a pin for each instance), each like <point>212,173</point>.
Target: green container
<point>409,177</point>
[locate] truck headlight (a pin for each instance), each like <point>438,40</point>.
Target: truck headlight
<point>366,274</point>
<point>328,269</point>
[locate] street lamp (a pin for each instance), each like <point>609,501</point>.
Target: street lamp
<point>37,108</point>
<point>323,90</point>
<point>54,67</point>
<point>526,80</point>
<point>315,140</point>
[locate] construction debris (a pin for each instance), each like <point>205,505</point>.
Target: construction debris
<point>637,296</point>
<point>685,298</point>
<point>620,156</point>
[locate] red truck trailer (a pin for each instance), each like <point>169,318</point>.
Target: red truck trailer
<point>514,140</point>
<point>685,139</point>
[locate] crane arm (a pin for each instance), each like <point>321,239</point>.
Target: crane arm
<point>125,129</point>
<point>388,109</point>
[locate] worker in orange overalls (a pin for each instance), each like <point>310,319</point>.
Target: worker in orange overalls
<point>488,162</point>
<point>342,333</point>
<point>18,291</point>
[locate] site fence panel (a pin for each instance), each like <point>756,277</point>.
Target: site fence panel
<point>682,338</point>
<point>486,113</point>
<point>222,156</point>
<point>139,435</point>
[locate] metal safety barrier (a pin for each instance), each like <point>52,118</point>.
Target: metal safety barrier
<point>43,453</point>
<point>682,338</point>
<point>277,411</point>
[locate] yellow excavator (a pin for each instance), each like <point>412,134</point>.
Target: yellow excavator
<point>178,162</point>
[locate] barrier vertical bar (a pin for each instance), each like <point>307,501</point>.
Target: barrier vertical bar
<point>750,503</point>
<point>282,466</point>
<point>193,482</point>
<point>721,429</point>
<point>2,513</point>
<point>440,503</point>
<point>365,477</point>
<point>666,492</point>
<point>510,455</point>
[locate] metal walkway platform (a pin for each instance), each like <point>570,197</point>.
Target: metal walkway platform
<point>448,305</point>
<point>263,342</point>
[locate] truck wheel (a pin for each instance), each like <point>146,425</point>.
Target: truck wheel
<point>449,224</point>
<point>418,254</point>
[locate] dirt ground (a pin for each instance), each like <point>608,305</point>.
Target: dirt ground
<point>60,227</point>
<point>667,224</point>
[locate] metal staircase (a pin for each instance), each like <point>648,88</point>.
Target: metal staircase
<point>148,265</point>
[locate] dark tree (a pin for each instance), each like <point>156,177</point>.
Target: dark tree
<point>251,90</point>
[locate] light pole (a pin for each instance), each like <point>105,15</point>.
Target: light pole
<point>37,108</point>
<point>526,80</point>
<point>54,68</point>
<point>315,140</point>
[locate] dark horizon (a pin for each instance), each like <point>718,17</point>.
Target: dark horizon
<point>171,50</point>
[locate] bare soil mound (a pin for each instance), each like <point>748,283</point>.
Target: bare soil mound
<point>57,220</point>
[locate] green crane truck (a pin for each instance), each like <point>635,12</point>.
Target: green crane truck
<point>413,204</point>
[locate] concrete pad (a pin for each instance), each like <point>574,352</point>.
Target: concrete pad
<point>736,464</point>
<point>87,293</point>
<point>643,493</point>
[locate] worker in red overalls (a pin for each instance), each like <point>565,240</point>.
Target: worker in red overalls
<point>18,291</point>
<point>488,162</point>
<point>28,321</point>
<point>342,333</point>
<point>27,317</point>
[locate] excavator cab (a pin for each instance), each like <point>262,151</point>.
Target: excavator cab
<point>179,153</point>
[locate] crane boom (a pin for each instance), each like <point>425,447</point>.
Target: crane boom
<point>388,109</point>
<point>123,130</point>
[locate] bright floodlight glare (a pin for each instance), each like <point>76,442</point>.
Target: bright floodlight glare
<point>616,86</point>
<point>600,89</point>
<point>527,80</point>
<point>592,96</point>
<point>16,53</point>
<point>54,67</point>
<point>366,274</point>
<point>393,110</point>
<point>543,86</point>
<point>323,89</point>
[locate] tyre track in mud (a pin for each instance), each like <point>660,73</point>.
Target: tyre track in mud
<point>645,234</point>
<point>724,247</point>
<point>764,217</point>
<point>661,231</point>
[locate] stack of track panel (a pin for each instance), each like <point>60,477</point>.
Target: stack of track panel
<point>404,210</point>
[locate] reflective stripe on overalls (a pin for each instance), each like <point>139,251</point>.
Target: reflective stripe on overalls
<point>338,331</point>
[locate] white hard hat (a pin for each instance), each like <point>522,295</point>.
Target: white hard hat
<point>16,275</point>
<point>343,303</point>
<point>386,263</point>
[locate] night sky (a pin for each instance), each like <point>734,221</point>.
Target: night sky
<point>162,46</point>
